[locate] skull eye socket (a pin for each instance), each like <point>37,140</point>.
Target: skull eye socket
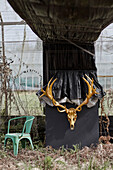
<point>74,119</point>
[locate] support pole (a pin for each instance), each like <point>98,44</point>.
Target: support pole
<point>4,65</point>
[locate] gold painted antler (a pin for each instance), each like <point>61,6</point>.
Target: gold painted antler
<point>71,112</point>
<point>48,93</point>
<point>91,92</point>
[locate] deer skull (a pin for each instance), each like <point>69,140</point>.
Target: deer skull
<point>71,112</point>
<point>72,116</point>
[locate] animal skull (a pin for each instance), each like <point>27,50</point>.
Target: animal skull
<point>71,112</point>
<point>72,116</point>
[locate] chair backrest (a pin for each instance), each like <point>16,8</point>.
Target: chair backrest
<point>29,121</point>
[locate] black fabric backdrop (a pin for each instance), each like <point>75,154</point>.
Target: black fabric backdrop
<point>85,133</point>
<point>64,56</point>
<point>63,59</point>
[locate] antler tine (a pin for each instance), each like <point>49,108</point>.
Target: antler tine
<point>91,92</point>
<point>44,93</point>
<point>93,89</point>
<point>61,110</point>
<point>86,81</point>
<point>52,83</point>
<point>89,87</point>
<point>88,77</point>
<point>47,88</point>
<point>49,82</point>
<point>91,80</point>
<point>49,94</point>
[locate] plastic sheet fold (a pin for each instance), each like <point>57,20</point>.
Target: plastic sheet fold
<point>70,87</point>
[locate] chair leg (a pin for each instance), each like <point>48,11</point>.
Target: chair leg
<point>5,142</point>
<point>23,143</point>
<point>31,143</point>
<point>15,148</point>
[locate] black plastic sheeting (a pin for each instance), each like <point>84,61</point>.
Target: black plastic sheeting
<point>71,85</point>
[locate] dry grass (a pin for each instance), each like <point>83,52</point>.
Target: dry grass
<point>97,158</point>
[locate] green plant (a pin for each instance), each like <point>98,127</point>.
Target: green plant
<point>60,162</point>
<point>90,164</point>
<point>2,154</point>
<point>27,166</point>
<point>62,150</point>
<point>106,166</point>
<point>78,161</point>
<point>39,163</point>
<point>2,138</point>
<point>94,166</point>
<point>48,163</point>
<point>76,147</point>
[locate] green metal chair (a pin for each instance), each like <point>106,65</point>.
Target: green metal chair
<point>16,137</point>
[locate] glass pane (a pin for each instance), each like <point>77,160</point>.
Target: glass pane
<point>36,82</point>
<point>29,81</point>
<point>102,81</point>
<point>10,82</point>
<point>16,83</point>
<point>112,82</point>
<point>108,82</point>
<point>23,82</point>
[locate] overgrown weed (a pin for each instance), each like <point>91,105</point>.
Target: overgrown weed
<point>48,158</point>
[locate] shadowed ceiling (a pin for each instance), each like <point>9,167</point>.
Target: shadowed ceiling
<point>76,20</point>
